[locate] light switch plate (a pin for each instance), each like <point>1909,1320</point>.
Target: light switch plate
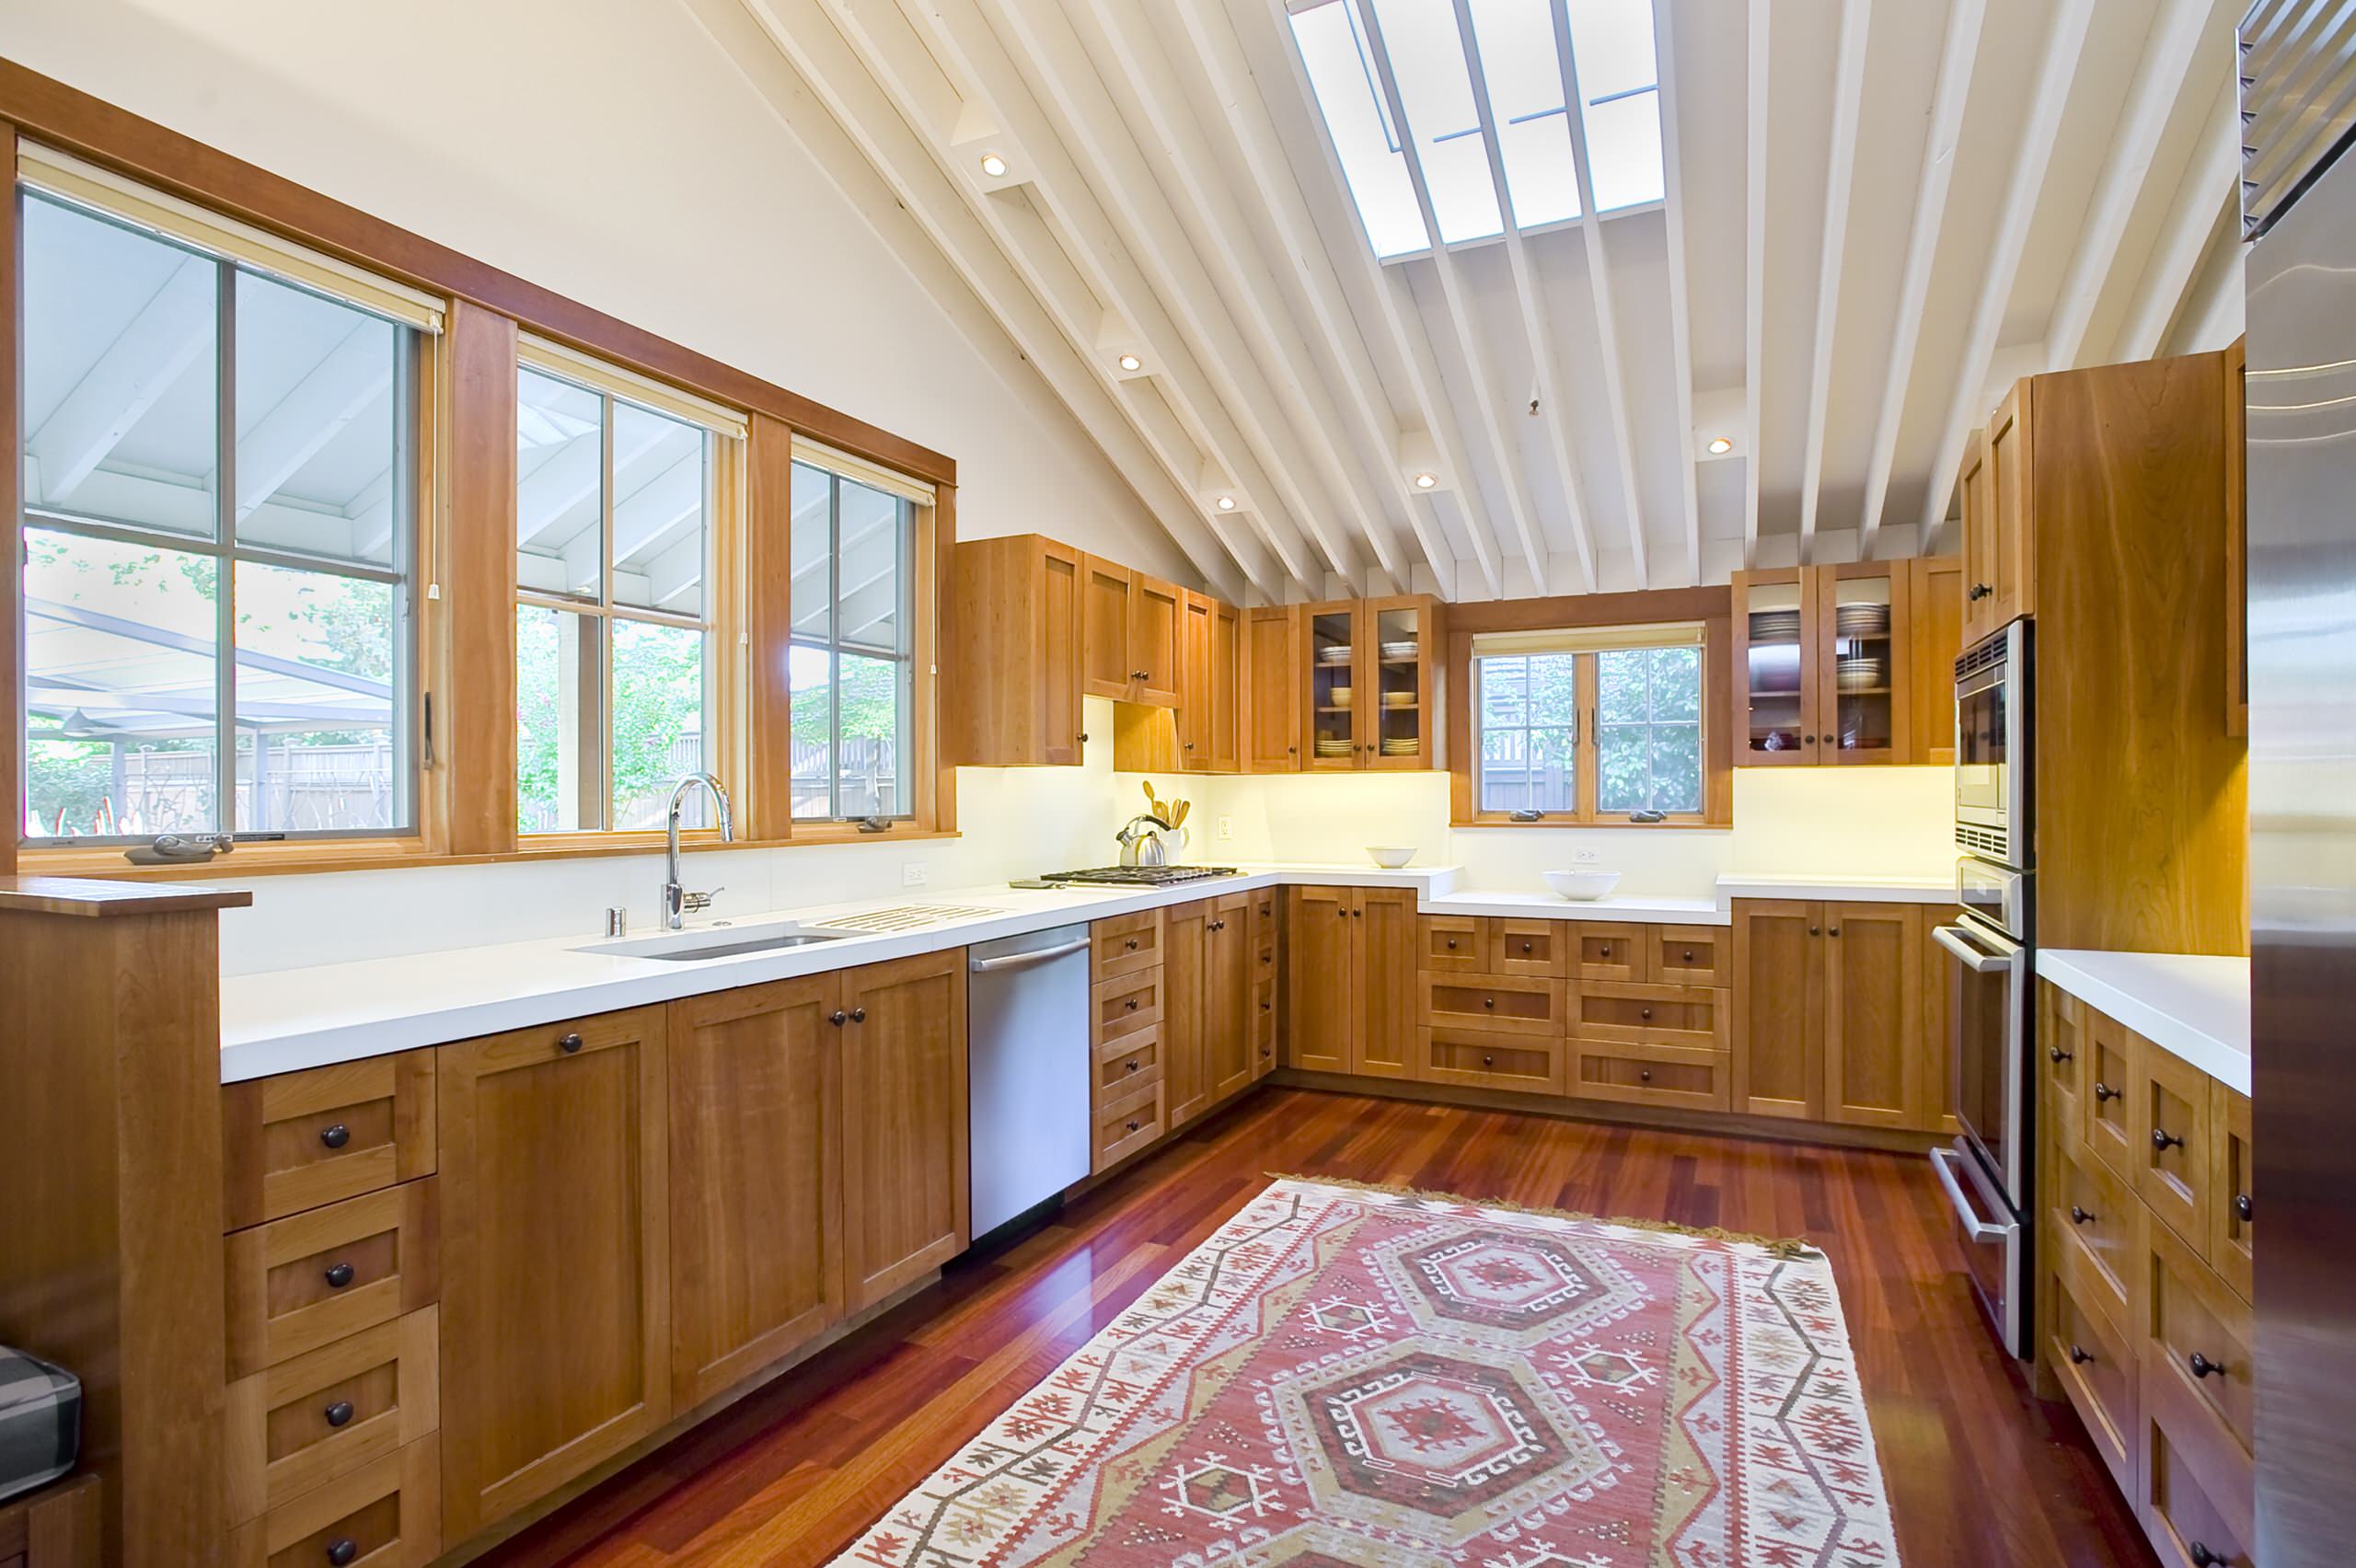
<point>1227,827</point>
<point>915,873</point>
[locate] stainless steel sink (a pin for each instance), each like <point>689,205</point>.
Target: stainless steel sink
<point>717,941</point>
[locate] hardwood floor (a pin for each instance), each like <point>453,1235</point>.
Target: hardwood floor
<point>1979,1471</point>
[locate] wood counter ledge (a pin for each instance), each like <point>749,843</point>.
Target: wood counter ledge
<point>89,897</point>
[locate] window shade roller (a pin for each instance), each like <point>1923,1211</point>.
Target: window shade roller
<point>818,454</point>
<point>1588,638</point>
<point>603,375</point>
<point>101,189</point>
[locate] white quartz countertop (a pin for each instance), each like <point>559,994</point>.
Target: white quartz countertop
<point>2193,1007</point>
<point>1937,889</point>
<point>290,1018</point>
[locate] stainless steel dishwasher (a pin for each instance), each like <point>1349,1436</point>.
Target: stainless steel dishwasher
<point>1026,1016</point>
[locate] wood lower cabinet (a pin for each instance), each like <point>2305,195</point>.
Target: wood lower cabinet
<point>1350,980</point>
<point>556,1344</point>
<point>1320,979</point>
<point>1230,996</point>
<point>1382,970</point>
<point>1779,1008</point>
<point>757,1170</point>
<point>1832,1021</point>
<point>904,1077</point>
<point>1187,1005</point>
<point>1875,1061</point>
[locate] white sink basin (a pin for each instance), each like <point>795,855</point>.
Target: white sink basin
<point>717,941</point>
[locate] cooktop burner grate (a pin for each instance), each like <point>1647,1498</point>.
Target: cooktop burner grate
<point>1141,876</point>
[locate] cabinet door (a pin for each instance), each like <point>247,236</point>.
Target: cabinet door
<point>1330,644</point>
<point>1873,1063</point>
<point>1230,996</point>
<point>2011,504</point>
<point>1382,965</point>
<point>1858,650</point>
<point>1398,684</point>
<point>756,1112</point>
<point>903,1122</point>
<point>1223,695</point>
<point>1063,651</point>
<point>1267,947</point>
<point>1155,641</point>
<point>1319,991</point>
<point>1779,1008</point>
<point>1186,1002</point>
<point>1981,571</point>
<point>556,1343</point>
<point>1104,628</point>
<point>1775,633</point>
<point>1273,670</point>
<point>1191,719</point>
<point>1934,636</point>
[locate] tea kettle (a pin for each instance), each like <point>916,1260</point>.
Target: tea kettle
<point>1140,841</point>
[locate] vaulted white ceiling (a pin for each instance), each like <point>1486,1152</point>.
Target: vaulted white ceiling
<point>1877,214</point>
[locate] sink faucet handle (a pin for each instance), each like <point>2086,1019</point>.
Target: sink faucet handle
<point>694,902</point>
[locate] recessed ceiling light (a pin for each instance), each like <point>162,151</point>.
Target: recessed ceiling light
<point>1130,361</point>
<point>1227,503</point>
<point>1720,446</point>
<point>1426,480</point>
<point>994,165</point>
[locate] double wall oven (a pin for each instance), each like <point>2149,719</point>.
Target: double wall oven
<point>1989,944</point>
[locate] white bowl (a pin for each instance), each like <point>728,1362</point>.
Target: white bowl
<point>1388,857</point>
<point>1581,884</point>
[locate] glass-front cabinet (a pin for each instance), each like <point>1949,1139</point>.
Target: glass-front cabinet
<point>1372,691</point>
<point>1820,664</point>
<point>1859,706</point>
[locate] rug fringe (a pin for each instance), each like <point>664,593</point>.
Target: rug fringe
<point>1781,1247</point>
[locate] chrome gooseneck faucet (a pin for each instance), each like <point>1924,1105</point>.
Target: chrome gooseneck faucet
<point>677,902</point>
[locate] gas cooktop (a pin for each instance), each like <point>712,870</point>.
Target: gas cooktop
<point>1140,876</point>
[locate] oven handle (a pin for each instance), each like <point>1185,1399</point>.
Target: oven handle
<point>1977,960</point>
<point>1943,1162</point>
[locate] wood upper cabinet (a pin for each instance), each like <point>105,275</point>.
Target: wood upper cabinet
<point>1776,696</point>
<point>1272,684</point>
<point>1999,546</point>
<point>1207,724</point>
<point>1823,656</point>
<point>1319,990</point>
<point>1104,629</point>
<point>1976,482</point>
<point>1935,637</point>
<point>904,1129</point>
<point>1372,683</point>
<point>1779,1008</point>
<point>556,1340</point>
<point>756,1112</point>
<point>1876,1066</point>
<point>1223,696</point>
<point>1155,640</point>
<point>1014,652</point>
<point>1385,1006</point>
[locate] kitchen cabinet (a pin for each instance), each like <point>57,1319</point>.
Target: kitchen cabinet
<point>904,1123</point>
<point>1876,1063</point>
<point>1350,980</point>
<point>1232,995</point>
<point>1319,978</point>
<point>1831,1023</point>
<point>1935,639</point>
<point>1267,943</point>
<point>1779,1008</point>
<point>1373,674</point>
<point>1156,610</point>
<point>1822,654</point>
<point>1208,1002</point>
<point>1014,652</point>
<point>1130,633</point>
<point>1998,549</point>
<point>556,1348</point>
<point>1206,723</point>
<point>756,1134</point>
<point>1274,664</point>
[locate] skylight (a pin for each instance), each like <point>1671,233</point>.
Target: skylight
<point>1612,50</point>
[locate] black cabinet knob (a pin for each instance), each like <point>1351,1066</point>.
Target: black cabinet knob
<point>858,1015</point>
<point>1688,955</point>
<point>839,1018</point>
<point>2104,1092</point>
<point>2163,1140</point>
<point>1264,1006</point>
<point>336,1136</point>
<point>567,1044</point>
<point>1131,944</point>
<point>1360,914</point>
<point>2202,1557</point>
<point>338,1276</point>
<point>1833,932</point>
<point>1131,1003</point>
<point>2080,1355</point>
<point>2078,1216</point>
<point>1808,740</point>
<point>1814,930</point>
<point>1524,946</point>
<point>1132,1065</point>
<point>1451,944</point>
<point>1488,1061</point>
<point>1139,675</point>
<point>1643,1075</point>
<point>1488,1001</point>
<point>1190,745</point>
<point>342,1550</point>
<point>1081,737</point>
<point>338,1413</point>
<point>2201,1366</point>
<point>1643,1012</point>
<point>1132,1126</point>
<point>1980,590</point>
<point>2242,1208</point>
<point>1603,952</point>
<point>2057,1055</point>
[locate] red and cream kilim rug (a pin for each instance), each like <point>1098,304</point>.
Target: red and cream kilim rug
<point>1348,1376</point>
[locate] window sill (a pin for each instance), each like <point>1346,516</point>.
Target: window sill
<point>1674,823</point>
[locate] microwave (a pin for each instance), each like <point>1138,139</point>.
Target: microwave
<point>1992,790</point>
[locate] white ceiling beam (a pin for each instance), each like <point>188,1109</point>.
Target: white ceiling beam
<point>2165,79</point>
<point>1598,271</point>
<point>1118,175</point>
<point>1218,229</point>
<point>315,412</point>
<point>1222,55</point>
<point>1460,311</point>
<point>794,57</point>
<point>1959,54</point>
<point>1681,327</point>
<point>959,38</point>
<point>1848,98</point>
<point>2210,195</point>
<point>1536,324</point>
<point>2040,130</point>
<point>645,519</point>
<point>1755,264</point>
<point>139,366</point>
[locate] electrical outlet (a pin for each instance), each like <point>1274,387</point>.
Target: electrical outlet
<point>915,873</point>
<point>1227,827</point>
<point>1584,855</point>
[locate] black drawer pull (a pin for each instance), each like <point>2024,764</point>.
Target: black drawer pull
<point>1488,1001</point>
<point>1488,1061</point>
<point>2080,1355</point>
<point>2057,1055</point>
<point>2104,1092</point>
<point>1603,952</point>
<point>336,1136</point>
<point>1643,1075</point>
<point>1688,955</point>
<point>2201,1366</point>
<point>567,1044</point>
<point>2242,1208</point>
<point>2163,1140</point>
<point>1524,946</point>
<point>339,1275</point>
<point>1643,1012</point>
<point>1451,944</point>
<point>338,1413</point>
<point>2078,1216</point>
<point>342,1550</point>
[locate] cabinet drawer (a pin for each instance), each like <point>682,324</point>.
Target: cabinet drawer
<point>2062,1056</point>
<point>1492,1061</point>
<point>1687,1076</point>
<point>1128,1062</point>
<point>1656,1015</point>
<point>1128,1123</point>
<point>1689,955</point>
<point>1126,943</point>
<point>2198,1490</point>
<point>1500,1004</point>
<point>2232,1211</point>
<point>2096,1364</point>
<point>390,1511</point>
<point>300,1140</point>
<point>2192,1321</point>
<point>2172,1098</point>
<point>1540,948</point>
<point>1264,1027</point>
<point>1602,950</point>
<point>295,1284</point>
<point>2110,1069</point>
<point>307,1420</point>
<point>1452,944</point>
<point>2098,1235</point>
<point>1127,1003</point>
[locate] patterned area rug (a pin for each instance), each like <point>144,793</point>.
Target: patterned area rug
<point>1351,1376</point>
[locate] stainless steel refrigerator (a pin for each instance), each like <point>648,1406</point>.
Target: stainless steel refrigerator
<point>2299,196</point>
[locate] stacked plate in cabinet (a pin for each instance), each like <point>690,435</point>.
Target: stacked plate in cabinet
<point>1861,621</point>
<point>1861,672</point>
<point>1774,626</point>
<point>1404,648</point>
<point>1334,653</point>
<point>1327,747</point>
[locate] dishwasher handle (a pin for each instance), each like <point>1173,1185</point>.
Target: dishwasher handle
<point>1026,959</point>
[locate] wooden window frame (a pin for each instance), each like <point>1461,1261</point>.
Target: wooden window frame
<point>1711,608</point>
<point>465,802</point>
